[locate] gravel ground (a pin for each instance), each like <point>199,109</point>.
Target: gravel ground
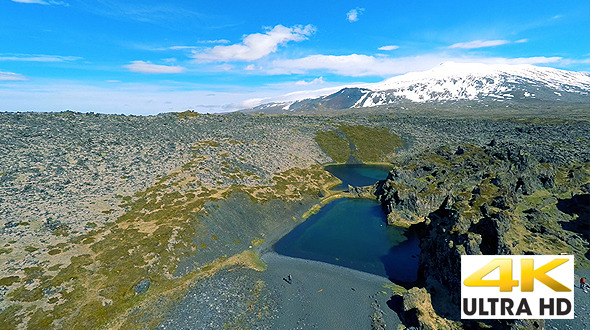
<point>320,296</point>
<point>324,296</point>
<point>228,299</point>
<point>581,307</point>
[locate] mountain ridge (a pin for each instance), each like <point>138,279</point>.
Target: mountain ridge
<point>452,82</point>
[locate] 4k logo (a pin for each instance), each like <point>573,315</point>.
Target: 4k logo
<point>489,287</point>
<point>527,275</point>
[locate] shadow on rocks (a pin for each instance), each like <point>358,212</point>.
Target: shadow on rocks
<point>577,205</point>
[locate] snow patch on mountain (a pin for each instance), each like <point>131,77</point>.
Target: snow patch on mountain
<point>471,81</point>
<point>449,82</point>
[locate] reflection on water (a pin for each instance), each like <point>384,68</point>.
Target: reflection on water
<point>358,175</point>
<point>353,233</point>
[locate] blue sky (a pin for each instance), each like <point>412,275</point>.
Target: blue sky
<point>147,57</point>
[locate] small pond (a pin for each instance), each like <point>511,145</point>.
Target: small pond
<point>353,233</point>
<point>358,175</point>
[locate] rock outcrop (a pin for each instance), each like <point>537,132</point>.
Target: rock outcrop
<point>418,312</point>
<point>471,200</point>
<point>361,192</point>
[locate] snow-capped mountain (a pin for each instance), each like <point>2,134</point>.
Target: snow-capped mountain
<point>455,82</point>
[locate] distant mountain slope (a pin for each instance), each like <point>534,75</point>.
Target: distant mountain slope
<point>454,82</point>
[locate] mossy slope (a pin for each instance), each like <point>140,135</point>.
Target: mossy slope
<point>363,143</point>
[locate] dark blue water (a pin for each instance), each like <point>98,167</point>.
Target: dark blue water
<point>353,233</point>
<point>358,175</point>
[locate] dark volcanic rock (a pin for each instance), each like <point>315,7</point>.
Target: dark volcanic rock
<point>419,185</point>
<point>445,238</point>
<point>399,196</point>
<point>500,202</point>
<point>467,202</point>
<point>142,286</point>
<point>418,312</point>
<point>361,191</point>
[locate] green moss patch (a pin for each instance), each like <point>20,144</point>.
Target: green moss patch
<point>187,114</point>
<point>11,317</point>
<point>31,248</point>
<point>25,295</point>
<point>369,144</point>
<point>336,147</point>
<point>9,280</point>
<point>372,144</point>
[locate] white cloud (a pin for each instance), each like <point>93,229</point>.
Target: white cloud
<point>223,67</point>
<point>250,67</point>
<point>256,46</point>
<point>250,103</point>
<point>315,81</point>
<point>521,41</point>
<point>526,60</point>
<point>139,99</point>
<point>177,48</point>
<point>142,99</point>
<point>356,65</point>
<point>218,41</point>
<point>567,62</point>
<point>39,2</point>
<point>11,76</point>
<point>285,97</point>
<point>479,44</point>
<point>391,47</point>
<point>148,67</point>
<point>42,2</point>
<point>183,47</point>
<point>37,58</point>
<point>119,97</point>
<point>353,14</point>
<point>155,12</point>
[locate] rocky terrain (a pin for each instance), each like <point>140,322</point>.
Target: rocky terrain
<point>108,220</point>
<point>492,199</point>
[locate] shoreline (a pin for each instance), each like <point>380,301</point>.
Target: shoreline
<point>320,295</point>
<point>325,296</point>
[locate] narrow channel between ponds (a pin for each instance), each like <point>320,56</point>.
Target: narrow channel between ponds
<point>358,175</point>
<point>354,233</point>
